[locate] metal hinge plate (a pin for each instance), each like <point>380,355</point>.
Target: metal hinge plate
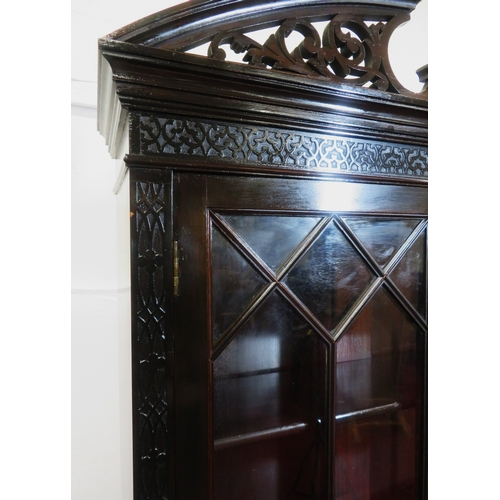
<point>176,273</point>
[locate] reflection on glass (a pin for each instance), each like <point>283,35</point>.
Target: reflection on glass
<point>270,400</point>
<point>378,404</point>
<point>410,275</point>
<point>272,237</point>
<point>234,283</point>
<point>382,237</point>
<point>269,409</point>
<point>330,277</point>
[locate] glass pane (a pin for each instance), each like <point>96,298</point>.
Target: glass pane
<point>410,275</point>
<point>382,237</point>
<point>379,381</point>
<point>270,409</point>
<point>330,277</point>
<point>234,283</point>
<point>272,237</point>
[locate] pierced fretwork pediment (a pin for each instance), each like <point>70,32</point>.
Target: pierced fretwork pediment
<point>341,41</point>
<point>351,50</point>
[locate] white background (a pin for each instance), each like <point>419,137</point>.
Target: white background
<point>65,424</point>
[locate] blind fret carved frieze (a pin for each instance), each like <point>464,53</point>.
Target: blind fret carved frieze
<point>278,147</point>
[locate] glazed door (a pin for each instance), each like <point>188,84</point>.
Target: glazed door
<point>300,339</point>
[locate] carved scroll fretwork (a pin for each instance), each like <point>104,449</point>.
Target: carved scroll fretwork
<point>351,50</point>
<point>279,148</point>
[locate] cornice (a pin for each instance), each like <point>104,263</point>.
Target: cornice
<point>153,80</point>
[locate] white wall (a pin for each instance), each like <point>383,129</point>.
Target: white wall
<point>101,448</point>
<point>96,453</point>
<point>101,412</point>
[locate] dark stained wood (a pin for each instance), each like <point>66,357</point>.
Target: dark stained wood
<point>152,78</point>
<point>240,192</point>
<point>152,315</point>
<point>289,358</point>
<point>191,340</point>
<point>185,26</point>
<point>170,81</point>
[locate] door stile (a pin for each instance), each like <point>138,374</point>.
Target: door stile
<point>424,464</point>
<point>192,348</point>
<point>331,411</point>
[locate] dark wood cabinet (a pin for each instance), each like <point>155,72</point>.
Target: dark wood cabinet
<point>278,252</point>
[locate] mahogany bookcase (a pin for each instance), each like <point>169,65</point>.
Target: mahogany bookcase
<point>278,250</point>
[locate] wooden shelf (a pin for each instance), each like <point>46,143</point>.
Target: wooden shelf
<point>368,412</point>
<point>252,437</point>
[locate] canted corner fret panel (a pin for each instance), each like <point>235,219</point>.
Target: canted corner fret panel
<point>150,342</point>
<point>289,150</point>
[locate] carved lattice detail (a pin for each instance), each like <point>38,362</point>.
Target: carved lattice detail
<point>151,368</point>
<point>285,149</point>
<point>351,50</point>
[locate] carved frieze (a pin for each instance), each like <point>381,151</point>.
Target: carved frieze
<point>277,147</point>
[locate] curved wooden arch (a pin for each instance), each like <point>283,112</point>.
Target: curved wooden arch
<point>192,23</point>
<point>353,49</point>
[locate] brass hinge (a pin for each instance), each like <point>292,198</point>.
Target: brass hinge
<point>176,268</point>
